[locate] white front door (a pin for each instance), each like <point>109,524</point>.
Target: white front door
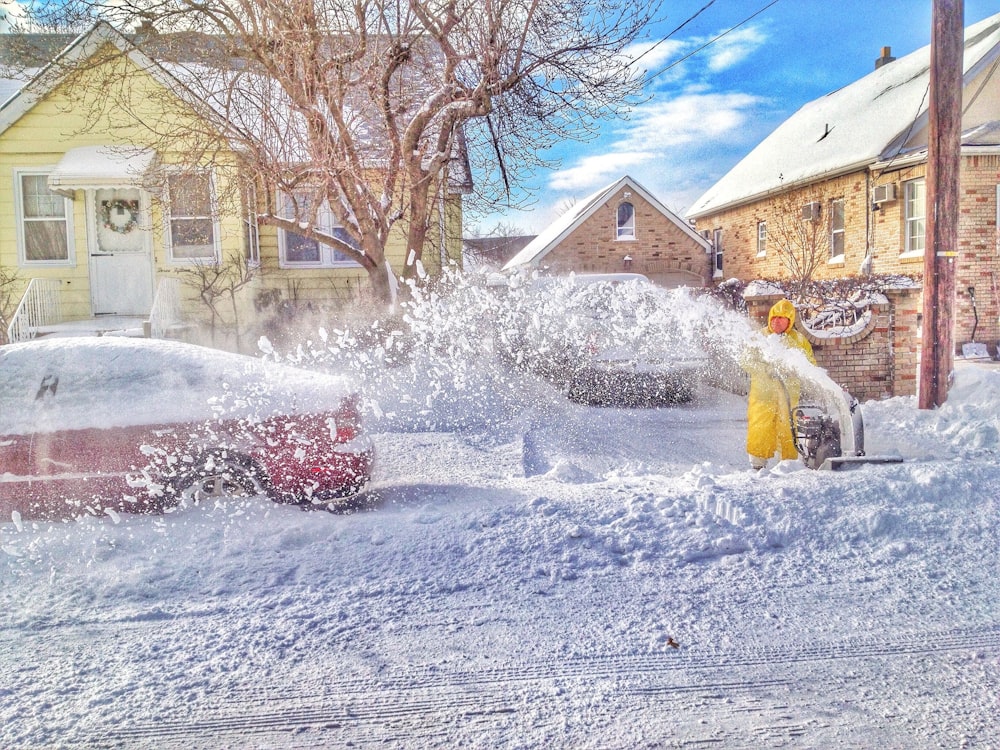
<point>121,258</point>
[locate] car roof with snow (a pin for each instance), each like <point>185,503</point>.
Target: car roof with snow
<point>107,382</point>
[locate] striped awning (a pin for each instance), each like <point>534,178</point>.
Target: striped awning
<point>91,167</point>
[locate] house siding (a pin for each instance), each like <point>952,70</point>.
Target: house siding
<point>70,116</point>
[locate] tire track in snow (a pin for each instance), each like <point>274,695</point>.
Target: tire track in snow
<point>432,704</point>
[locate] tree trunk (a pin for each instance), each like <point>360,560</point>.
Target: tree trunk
<point>416,233</point>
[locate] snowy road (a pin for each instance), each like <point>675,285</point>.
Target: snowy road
<point>742,698</point>
<point>521,584</point>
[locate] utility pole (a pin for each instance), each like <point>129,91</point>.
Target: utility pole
<point>943,161</point>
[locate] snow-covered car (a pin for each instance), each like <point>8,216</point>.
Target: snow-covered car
<point>609,339</point>
<point>92,425</point>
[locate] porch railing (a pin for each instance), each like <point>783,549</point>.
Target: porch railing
<point>39,307</point>
<point>166,310</point>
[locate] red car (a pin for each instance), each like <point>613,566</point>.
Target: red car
<point>91,425</point>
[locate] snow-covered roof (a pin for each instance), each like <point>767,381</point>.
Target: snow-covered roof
<point>873,119</point>
<point>568,222</point>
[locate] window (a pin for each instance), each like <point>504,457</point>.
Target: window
<point>45,221</point>
<point>837,228</point>
<point>299,251</point>
<point>717,247</point>
<point>761,239</point>
<point>192,231</point>
<point>915,214</point>
<point>251,230</point>
<point>626,221</point>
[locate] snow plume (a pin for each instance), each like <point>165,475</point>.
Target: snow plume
<point>431,367</point>
<point>549,315</point>
<point>457,352</point>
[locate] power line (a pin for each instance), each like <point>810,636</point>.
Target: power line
<point>705,7</point>
<point>710,42</point>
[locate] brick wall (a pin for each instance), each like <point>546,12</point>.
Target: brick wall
<point>882,230</point>
<point>978,262</point>
<point>661,250</point>
<point>878,362</point>
<point>739,230</point>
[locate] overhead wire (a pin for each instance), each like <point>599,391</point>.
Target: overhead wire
<point>703,8</point>
<point>650,76</point>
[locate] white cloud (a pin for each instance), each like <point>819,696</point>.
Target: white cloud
<point>689,117</point>
<point>668,61</point>
<point>591,172</point>
<point>676,144</point>
<point>652,56</point>
<point>672,145</point>
<point>656,128</point>
<point>734,48</point>
<point>11,14</point>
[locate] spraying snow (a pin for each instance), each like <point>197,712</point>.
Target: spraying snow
<point>526,571</point>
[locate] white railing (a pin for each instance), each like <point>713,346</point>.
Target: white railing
<point>166,311</point>
<point>39,307</point>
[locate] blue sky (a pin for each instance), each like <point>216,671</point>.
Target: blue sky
<point>707,112</point>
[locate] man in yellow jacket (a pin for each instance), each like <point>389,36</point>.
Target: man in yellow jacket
<point>772,398</point>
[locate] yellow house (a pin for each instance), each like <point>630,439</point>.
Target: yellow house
<point>103,228</point>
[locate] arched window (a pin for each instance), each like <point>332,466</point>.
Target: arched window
<point>626,221</point>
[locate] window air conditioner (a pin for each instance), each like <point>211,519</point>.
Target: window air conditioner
<point>884,193</point>
<point>810,211</point>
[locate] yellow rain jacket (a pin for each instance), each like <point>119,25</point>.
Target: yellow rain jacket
<point>769,410</point>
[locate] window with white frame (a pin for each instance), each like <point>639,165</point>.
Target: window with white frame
<point>914,215</point>
<point>837,234</point>
<point>44,221</point>
<point>192,233</point>
<point>251,229</point>
<point>717,249</point>
<point>301,251</point>
<point>761,239</point>
<point>626,221</point>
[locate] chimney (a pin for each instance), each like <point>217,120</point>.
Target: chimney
<point>885,59</point>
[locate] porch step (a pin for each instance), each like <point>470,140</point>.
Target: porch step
<point>104,325</point>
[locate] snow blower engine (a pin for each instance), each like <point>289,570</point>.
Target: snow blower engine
<point>832,441</point>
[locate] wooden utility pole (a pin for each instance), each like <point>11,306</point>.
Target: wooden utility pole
<point>943,162</point>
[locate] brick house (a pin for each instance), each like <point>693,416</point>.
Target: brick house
<point>848,170</point>
<point>621,227</point>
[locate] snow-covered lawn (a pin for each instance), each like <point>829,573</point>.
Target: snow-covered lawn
<point>526,572</point>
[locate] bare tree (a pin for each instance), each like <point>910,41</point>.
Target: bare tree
<point>363,109</point>
<point>217,281</point>
<point>800,230</point>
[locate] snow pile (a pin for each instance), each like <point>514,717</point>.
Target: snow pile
<point>966,426</point>
<point>529,572</point>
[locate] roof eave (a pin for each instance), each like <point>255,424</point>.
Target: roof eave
<point>783,188</point>
<point>49,77</point>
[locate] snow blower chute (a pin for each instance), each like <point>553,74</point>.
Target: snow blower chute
<point>834,440</point>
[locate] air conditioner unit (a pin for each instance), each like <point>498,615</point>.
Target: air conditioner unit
<point>884,193</point>
<point>810,211</point>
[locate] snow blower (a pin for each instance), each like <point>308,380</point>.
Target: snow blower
<point>832,441</point>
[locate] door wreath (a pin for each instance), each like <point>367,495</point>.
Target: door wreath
<point>120,216</point>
